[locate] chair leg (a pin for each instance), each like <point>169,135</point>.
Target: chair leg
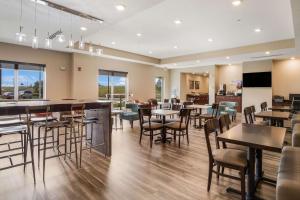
<point>179,139</point>
<point>218,170</point>
<point>187,136</point>
<point>44,154</point>
<point>174,135</point>
<point>92,135</point>
<point>25,150</point>
<point>209,176</point>
<point>243,193</point>
<point>39,143</point>
<point>81,140</point>
<point>66,142</point>
<point>222,170</point>
<point>131,124</point>
<point>151,138</point>
<point>76,151</point>
<point>141,134</point>
<point>32,157</point>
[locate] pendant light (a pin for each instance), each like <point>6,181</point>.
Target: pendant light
<point>48,40</point>
<point>81,43</point>
<point>99,52</point>
<point>91,49</point>
<point>60,37</point>
<point>20,36</point>
<point>71,41</point>
<point>35,39</point>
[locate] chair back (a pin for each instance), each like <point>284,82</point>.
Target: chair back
<point>145,112</point>
<point>215,110</point>
<point>211,126</point>
<point>264,106</point>
<point>187,103</point>
<point>184,115</point>
<point>253,111</point>
<point>30,110</point>
<point>248,115</point>
<point>175,107</point>
<point>224,121</point>
<point>153,102</point>
<point>166,100</point>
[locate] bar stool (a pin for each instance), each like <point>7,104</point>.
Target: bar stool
<point>15,127</point>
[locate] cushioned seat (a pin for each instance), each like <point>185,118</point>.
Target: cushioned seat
<point>288,179</point>
<point>231,156</point>
<point>154,126</point>
<point>12,129</point>
<point>175,125</point>
<point>296,135</point>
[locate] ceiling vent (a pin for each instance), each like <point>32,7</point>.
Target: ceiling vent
<point>53,36</point>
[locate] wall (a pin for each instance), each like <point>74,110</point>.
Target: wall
<point>255,96</point>
<point>286,77</point>
<point>141,77</point>
<point>185,89</point>
<point>228,74</point>
<point>57,81</point>
<point>177,82</point>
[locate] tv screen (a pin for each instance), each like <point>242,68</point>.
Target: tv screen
<point>258,79</point>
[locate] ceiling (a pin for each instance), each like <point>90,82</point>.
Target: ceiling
<point>227,25</point>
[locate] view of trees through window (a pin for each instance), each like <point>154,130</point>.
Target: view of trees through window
<point>21,81</point>
<point>159,88</point>
<point>112,86</point>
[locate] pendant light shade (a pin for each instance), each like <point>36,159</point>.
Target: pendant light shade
<point>81,44</point>
<point>35,41</point>
<point>20,36</point>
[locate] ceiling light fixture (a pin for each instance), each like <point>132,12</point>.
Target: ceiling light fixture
<point>177,21</point>
<point>48,42</point>
<point>120,7</point>
<point>210,40</point>
<point>81,43</point>
<point>197,61</point>
<point>267,52</point>
<point>139,34</point>
<point>257,30</point>
<point>227,57</point>
<point>99,52</point>
<point>293,58</point>
<point>175,47</point>
<point>91,49</point>
<point>113,43</point>
<point>35,39</point>
<point>41,2</point>
<point>71,41</point>
<point>83,28</point>
<point>150,52</point>
<point>20,37</point>
<point>236,2</point>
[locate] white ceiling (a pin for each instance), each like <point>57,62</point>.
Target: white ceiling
<point>201,19</point>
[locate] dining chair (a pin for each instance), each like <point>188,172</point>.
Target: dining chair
<point>248,115</point>
<point>194,115</point>
<point>213,114</point>
<point>181,127</point>
<point>227,158</point>
<point>264,106</point>
<point>147,127</point>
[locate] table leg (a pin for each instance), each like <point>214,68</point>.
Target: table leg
<point>251,174</point>
<point>164,130</point>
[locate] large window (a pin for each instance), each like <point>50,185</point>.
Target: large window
<point>21,80</point>
<point>113,86</point>
<point>159,84</point>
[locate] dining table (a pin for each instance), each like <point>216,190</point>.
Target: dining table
<point>256,138</point>
<point>164,113</point>
<point>277,118</point>
<point>281,108</point>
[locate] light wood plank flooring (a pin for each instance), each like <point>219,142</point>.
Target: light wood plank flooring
<point>133,172</point>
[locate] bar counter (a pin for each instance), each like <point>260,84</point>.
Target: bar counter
<point>93,108</point>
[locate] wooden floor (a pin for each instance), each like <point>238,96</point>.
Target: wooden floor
<point>133,172</point>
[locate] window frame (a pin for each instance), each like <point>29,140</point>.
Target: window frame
<point>16,77</point>
<point>162,87</point>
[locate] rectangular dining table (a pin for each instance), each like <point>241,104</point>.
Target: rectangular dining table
<point>281,108</point>
<point>164,114</point>
<point>257,138</point>
<point>275,117</point>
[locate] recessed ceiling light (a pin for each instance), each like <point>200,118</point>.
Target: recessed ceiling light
<point>267,52</point>
<point>175,47</point>
<point>40,2</point>
<point>177,21</point>
<point>198,61</point>
<point>293,58</point>
<point>229,64</point>
<point>236,2</point>
<point>210,40</point>
<point>83,28</point>
<point>139,34</point>
<point>175,64</point>
<point>257,30</point>
<point>120,7</point>
<point>227,57</point>
<point>150,52</point>
<point>113,43</point>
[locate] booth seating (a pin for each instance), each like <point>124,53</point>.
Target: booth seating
<point>288,179</point>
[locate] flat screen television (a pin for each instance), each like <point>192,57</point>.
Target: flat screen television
<point>257,79</point>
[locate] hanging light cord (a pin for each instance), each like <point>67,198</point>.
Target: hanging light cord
<point>21,15</point>
<point>35,18</point>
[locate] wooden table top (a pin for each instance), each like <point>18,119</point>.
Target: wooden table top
<point>256,136</point>
<point>273,115</point>
<point>164,112</point>
<point>281,108</point>
<point>197,106</point>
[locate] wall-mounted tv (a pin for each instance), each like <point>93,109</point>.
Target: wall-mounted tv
<point>257,79</point>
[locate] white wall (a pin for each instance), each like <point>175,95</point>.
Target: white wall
<point>255,96</point>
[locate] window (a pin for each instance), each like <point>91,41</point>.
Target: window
<point>21,80</point>
<point>159,82</point>
<point>113,86</point>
